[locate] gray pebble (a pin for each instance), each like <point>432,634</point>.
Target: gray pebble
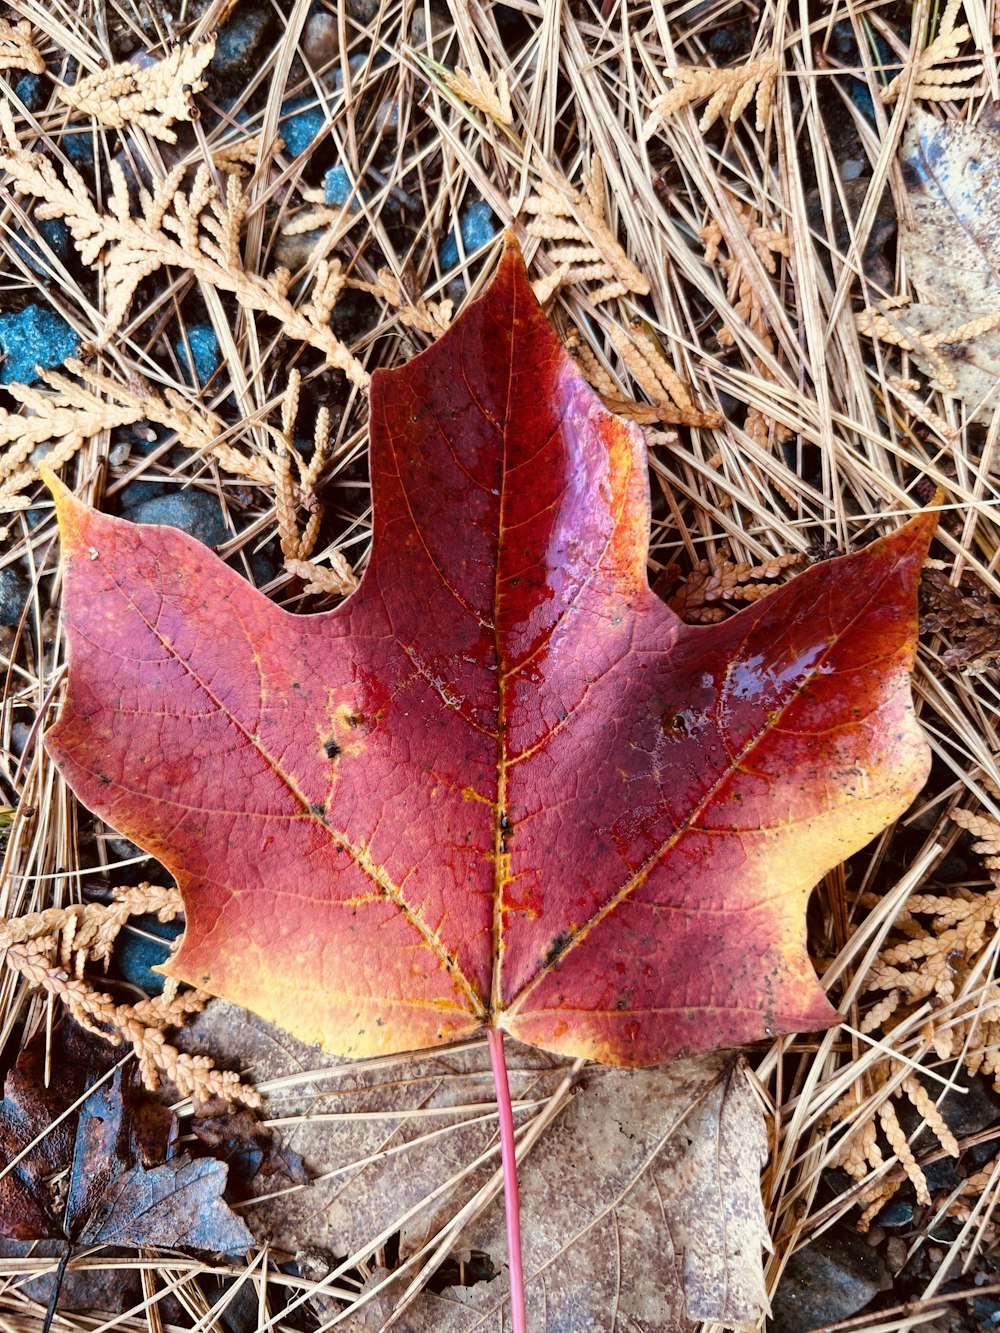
<point>829,1279</point>
<point>194,512</point>
<point>239,48</point>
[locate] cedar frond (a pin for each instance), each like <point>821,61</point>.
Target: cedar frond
<point>935,945</point>
<point>741,290</point>
<point>203,240</point>
<point>743,294</point>
<point>72,413</point>
<point>430,317</point>
<point>932,84</point>
<point>86,932</point>
<point>18,49</point>
<point>696,598</point>
<point>50,950</point>
<point>729,91</point>
<point>298,492</point>
<point>585,248</point>
<point>151,97</point>
<point>669,400</point>
<point>478,91</point>
<point>241,155</point>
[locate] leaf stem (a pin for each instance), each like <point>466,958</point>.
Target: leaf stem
<point>508,1159</point>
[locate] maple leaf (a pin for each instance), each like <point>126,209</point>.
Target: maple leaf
<point>503,785</point>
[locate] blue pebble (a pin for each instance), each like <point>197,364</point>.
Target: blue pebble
<point>55,236</point>
<point>136,954</point>
<point>33,91</point>
<point>205,351</point>
<point>194,512</point>
<point>35,336</point>
<point>14,593</point>
<point>896,1213</point>
<point>237,41</point>
<point>338,188</point>
<point>478,225</point>
<point>78,145</point>
<point>299,125</point>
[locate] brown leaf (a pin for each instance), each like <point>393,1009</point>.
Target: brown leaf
<point>952,253</point>
<point>176,1205</point>
<point>126,1186</point>
<point>644,1189</point>
<point>31,1109</point>
<point>256,1157</point>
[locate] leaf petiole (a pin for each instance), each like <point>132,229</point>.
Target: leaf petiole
<point>508,1159</point>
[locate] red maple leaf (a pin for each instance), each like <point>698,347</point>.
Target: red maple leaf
<point>502,785</point>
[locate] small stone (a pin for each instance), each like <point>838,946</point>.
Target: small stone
<point>478,226</point>
<point>896,1213</point>
<point>895,1254</point>
<point>363,11</point>
<point>338,188</point>
<point>941,1175</point>
<point>441,32</point>
<point>77,142</point>
<point>239,47</point>
<point>34,337</point>
<point>987,1311</point>
<point>54,242</point>
<point>294,252</point>
<point>831,1278</point>
<point>204,350</point>
<point>194,512</point>
<point>118,454</point>
<point>15,589</point>
<point>122,848</point>
<point>387,117</point>
<point>33,90</point>
<point>301,122</point>
<point>980,1153</point>
<point>970,1112</point>
<point>143,944</point>
<point>320,39</point>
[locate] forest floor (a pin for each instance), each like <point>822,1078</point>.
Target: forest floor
<point>771,235</point>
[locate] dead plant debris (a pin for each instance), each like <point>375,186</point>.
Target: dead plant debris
<point>228,293</point>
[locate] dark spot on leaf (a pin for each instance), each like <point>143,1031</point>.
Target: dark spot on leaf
<point>556,948</point>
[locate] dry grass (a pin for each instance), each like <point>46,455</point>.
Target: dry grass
<point>817,446</point>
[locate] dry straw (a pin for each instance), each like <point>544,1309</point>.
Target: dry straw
<point>713,276</point>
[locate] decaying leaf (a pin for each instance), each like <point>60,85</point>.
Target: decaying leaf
<point>952,255</point>
<point>127,1184</point>
<point>644,1187</point>
<point>151,96</point>
<point>503,785</point>
<point>32,1109</point>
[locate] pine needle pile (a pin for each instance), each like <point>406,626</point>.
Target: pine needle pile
<point>709,200</point>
